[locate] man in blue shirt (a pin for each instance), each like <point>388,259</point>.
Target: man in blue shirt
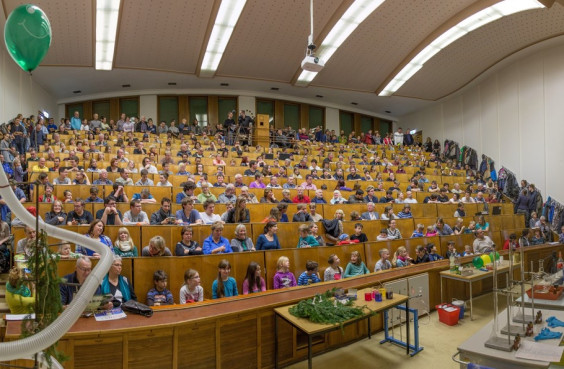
<point>76,122</point>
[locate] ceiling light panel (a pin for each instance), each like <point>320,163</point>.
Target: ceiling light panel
<point>227,17</point>
<point>107,15</point>
<point>473,22</point>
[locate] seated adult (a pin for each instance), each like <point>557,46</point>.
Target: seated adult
<point>302,215</point>
<point>482,224</point>
<point>187,246</point>
<point>215,243</point>
<point>315,216</point>
<point>206,194</point>
<point>119,193</point>
<point>459,213</point>
<point>188,215</point>
<point>300,197</point>
<point>208,216</point>
<point>79,216</point>
<point>187,191</point>
<point>241,242</point>
<point>228,196</point>
<point>389,198</point>
<point>72,282</point>
<point>94,195</point>
<point>163,180</point>
<point>63,178</point>
<point>123,178</point>
<point>103,178</point>
<point>117,285</point>
<point>124,245</point>
<point>251,198</point>
<point>308,184</point>
<point>156,247</point>
<point>26,244</point>
<point>144,196</point>
<point>135,216</point>
<point>286,197</point>
<point>239,213</point>
<point>110,215</point>
<point>405,213</point>
<point>96,232</point>
<point>81,179</point>
<point>370,213</point>
<point>163,216</point>
<point>290,183</point>
<point>268,240</point>
<point>357,197</point>
<point>56,216</point>
<point>442,228</point>
<point>393,231</point>
<point>482,244</point>
<point>19,297</point>
<point>258,182</point>
<point>268,197</point>
<point>318,198</point>
<point>144,180</point>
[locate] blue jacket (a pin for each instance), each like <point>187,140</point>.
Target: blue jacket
<point>210,245</point>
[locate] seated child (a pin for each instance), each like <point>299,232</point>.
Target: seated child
<point>191,291</point>
<point>471,227</point>
<point>358,235</point>
<point>383,263</point>
<point>422,256</point>
<point>283,277</point>
<point>334,271</point>
<point>431,231</point>
<point>344,239</point>
<point>418,232</point>
<point>224,285</point>
<point>432,252</point>
<point>383,236</point>
<point>253,280</point>
<point>401,258</point>
<point>159,295</point>
<point>355,266</point>
<point>310,275</point>
<point>66,253</point>
<point>306,239</point>
<point>451,250</point>
<point>468,250</point>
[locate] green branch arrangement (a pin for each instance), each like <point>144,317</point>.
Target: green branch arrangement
<point>43,265</point>
<point>324,309</point>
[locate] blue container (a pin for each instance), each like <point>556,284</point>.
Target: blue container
<point>459,304</point>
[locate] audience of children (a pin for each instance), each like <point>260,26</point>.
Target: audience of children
<point>334,271</point>
<point>159,295</point>
<point>383,263</point>
<point>283,277</point>
<point>191,291</point>
<point>253,280</point>
<point>401,258</point>
<point>358,235</point>
<point>306,239</point>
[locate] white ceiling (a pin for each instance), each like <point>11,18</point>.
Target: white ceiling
<point>161,41</point>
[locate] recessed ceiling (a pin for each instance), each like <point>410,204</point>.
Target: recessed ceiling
<point>159,41</point>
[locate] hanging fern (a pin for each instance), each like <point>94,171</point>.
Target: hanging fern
<point>43,265</point>
<point>324,309</point>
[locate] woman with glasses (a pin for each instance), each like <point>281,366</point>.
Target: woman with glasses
<point>117,285</point>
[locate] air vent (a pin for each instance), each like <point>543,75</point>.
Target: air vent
<point>77,92</point>
<point>354,103</point>
<point>125,86</point>
<point>172,83</point>
<point>224,84</point>
<point>274,88</point>
<point>320,96</point>
<point>388,112</point>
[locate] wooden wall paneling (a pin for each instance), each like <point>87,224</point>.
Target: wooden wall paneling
<point>196,346</point>
<point>151,349</point>
<point>266,341</point>
<point>278,114</point>
<point>304,116</point>
<point>183,108</point>
<point>93,353</point>
<point>239,351</point>
<point>87,113</point>
<point>114,110</point>
<point>213,117</point>
<point>343,252</point>
<point>356,125</point>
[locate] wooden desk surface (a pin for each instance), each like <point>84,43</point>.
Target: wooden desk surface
<point>310,328</point>
<point>478,274</point>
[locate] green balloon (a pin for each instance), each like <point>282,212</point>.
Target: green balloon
<point>27,34</point>
<point>478,262</point>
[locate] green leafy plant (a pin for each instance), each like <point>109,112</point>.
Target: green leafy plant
<point>324,309</point>
<point>43,265</point>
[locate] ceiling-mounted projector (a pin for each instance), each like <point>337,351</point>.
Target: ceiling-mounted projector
<point>312,63</point>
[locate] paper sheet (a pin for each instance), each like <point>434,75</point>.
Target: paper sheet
<point>539,351</point>
<point>19,316</point>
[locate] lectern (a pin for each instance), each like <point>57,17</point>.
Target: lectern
<point>261,132</point>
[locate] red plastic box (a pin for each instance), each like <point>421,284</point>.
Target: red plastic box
<point>448,313</point>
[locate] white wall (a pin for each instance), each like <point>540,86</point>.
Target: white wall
<point>247,103</point>
<point>18,92</point>
<point>148,106</point>
<point>515,116</point>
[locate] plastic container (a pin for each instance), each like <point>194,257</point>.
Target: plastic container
<point>448,314</point>
<point>459,304</point>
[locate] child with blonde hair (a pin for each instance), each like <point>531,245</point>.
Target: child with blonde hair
<point>401,258</point>
<point>283,277</point>
<point>191,291</point>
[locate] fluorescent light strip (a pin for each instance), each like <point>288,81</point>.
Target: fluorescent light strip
<point>107,15</point>
<point>227,17</point>
<point>473,22</point>
<point>345,26</point>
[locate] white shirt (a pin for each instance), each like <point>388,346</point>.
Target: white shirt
<point>210,219</point>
